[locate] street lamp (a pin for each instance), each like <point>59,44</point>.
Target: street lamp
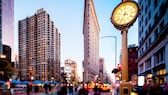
<point>115,46</point>
<point>3,56</point>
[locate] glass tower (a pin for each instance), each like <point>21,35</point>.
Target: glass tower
<point>6,24</point>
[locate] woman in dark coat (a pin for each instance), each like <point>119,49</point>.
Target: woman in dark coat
<point>155,89</point>
<point>64,89</point>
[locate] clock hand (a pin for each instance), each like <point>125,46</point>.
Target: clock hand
<point>123,17</point>
<point>124,13</point>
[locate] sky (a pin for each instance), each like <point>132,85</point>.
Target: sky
<point>67,16</point>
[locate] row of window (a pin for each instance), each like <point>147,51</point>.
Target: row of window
<point>152,37</point>
<point>148,21</point>
<point>159,58</point>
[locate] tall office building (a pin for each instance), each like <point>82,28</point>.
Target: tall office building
<point>91,31</point>
<point>6,24</point>
<point>153,40</point>
<point>39,48</point>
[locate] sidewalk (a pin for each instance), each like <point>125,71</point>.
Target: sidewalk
<point>43,93</point>
<point>52,92</point>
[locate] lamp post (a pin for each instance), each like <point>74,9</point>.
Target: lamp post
<point>115,47</point>
<point>3,56</point>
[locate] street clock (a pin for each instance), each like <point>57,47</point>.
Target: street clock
<point>125,14</point>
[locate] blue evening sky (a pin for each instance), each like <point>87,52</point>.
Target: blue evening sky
<point>67,16</point>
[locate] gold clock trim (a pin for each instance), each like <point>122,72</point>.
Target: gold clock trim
<point>125,14</point>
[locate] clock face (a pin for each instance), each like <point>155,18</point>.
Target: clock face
<point>125,13</point>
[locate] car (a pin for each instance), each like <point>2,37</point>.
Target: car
<point>89,86</point>
<point>105,87</point>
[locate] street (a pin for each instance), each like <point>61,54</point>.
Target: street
<point>90,93</point>
<point>105,93</point>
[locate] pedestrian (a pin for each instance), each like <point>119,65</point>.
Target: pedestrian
<point>36,88</point>
<point>117,90</point>
<point>99,89</point>
<point>58,88</point>
<point>12,88</point>
<point>70,89</point>
<point>165,88</point>
<point>49,86</point>
<point>81,89</point>
<point>155,89</point>
<point>28,89</point>
<point>76,89</point>
<point>1,89</point>
<point>95,90</point>
<point>46,88</point>
<point>146,87</point>
<point>64,89</point>
<point>86,89</point>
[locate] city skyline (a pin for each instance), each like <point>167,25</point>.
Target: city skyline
<point>68,18</point>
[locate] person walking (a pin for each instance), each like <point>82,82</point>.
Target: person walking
<point>29,88</point>
<point>81,89</point>
<point>58,88</point>
<point>70,89</point>
<point>99,89</point>
<point>165,88</point>
<point>46,88</point>
<point>95,90</point>
<point>64,89</point>
<point>155,89</point>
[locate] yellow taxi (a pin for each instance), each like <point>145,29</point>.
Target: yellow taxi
<point>89,86</point>
<point>105,87</point>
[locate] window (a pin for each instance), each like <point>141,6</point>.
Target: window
<point>162,25</point>
<point>149,2</point>
<point>149,40</point>
<point>141,67</point>
<point>155,3</point>
<point>148,63</point>
<point>156,15</point>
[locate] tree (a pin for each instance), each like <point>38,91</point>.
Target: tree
<point>6,69</point>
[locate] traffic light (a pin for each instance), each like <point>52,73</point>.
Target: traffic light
<point>119,67</point>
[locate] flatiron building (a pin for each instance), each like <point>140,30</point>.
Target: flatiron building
<point>91,31</point>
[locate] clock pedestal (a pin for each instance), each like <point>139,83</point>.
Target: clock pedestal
<point>124,57</point>
<point>125,86</point>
